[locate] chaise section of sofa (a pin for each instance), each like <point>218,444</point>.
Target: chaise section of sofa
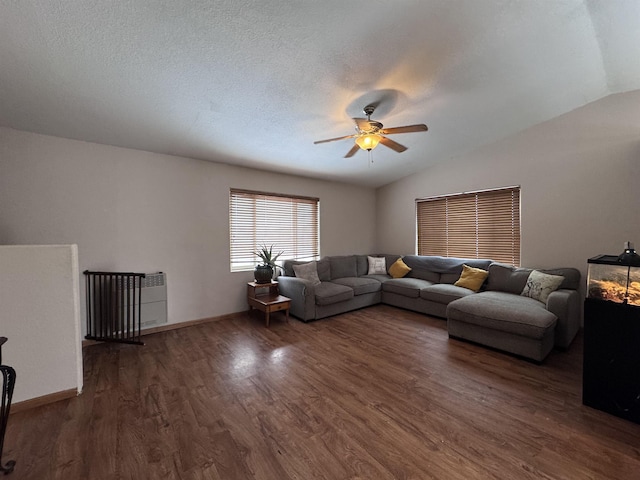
<point>502,318</point>
<point>508,322</point>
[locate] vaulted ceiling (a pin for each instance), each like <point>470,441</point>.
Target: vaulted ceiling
<point>254,83</point>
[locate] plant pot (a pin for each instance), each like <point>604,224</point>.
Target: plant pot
<point>263,273</point>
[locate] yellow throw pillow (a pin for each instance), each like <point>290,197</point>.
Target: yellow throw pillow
<point>399,269</point>
<point>471,278</point>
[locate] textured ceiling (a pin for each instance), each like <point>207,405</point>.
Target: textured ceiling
<point>254,83</point>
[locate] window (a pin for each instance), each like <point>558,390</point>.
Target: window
<point>289,223</point>
<point>482,224</point>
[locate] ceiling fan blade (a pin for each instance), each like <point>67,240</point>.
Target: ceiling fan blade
<point>387,142</point>
<point>406,129</point>
<point>334,139</point>
<point>353,151</point>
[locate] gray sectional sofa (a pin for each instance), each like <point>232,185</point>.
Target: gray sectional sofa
<point>496,316</point>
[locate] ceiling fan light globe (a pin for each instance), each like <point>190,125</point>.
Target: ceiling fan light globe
<point>368,141</point>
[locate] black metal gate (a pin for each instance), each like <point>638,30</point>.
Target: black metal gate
<point>113,306</point>
<point>8,382</point>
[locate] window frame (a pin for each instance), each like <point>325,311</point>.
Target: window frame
<point>258,218</point>
<point>465,234</point>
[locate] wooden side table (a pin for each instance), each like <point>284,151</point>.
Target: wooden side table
<point>266,298</point>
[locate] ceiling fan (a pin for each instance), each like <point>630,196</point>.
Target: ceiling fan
<point>369,133</point>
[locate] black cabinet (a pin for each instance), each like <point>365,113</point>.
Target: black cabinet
<point>611,374</point>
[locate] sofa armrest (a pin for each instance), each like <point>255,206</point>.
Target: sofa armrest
<point>302,295</point>
<point>565,304</point>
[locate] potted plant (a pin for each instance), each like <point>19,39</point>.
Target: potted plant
<point>264,271</point>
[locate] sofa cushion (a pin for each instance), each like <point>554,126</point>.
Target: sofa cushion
<point>539,285</point>
<point>571,276</point>
<point>440,269</point>
<point>307,271</point>
<point>377,266</point>
<point>444,293</point>
<point>362,265</point>
<point>379,278</point>
<point>419,269</point>
<point>449,278</point>
<point>409,287</point>
<point>329,292</point>
<point>507,278</point>
<point>504,312</point>
<point>360,285</point>
<point>471,278</point>
<point>343,266</point>
<point>324,269</point>
<point>287,266</point>
<point>399,269</point>
<point>389,259</point>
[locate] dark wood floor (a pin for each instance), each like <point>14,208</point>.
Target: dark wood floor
<point>379,393</point>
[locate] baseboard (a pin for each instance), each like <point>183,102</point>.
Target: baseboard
<point>190,323</point>
<point>43,400</point>
<point>176,326</point>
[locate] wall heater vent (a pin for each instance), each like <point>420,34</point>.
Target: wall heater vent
<point>153,300</point>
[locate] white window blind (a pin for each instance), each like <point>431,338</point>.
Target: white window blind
<point>289,223</point>
<point>482,224</point>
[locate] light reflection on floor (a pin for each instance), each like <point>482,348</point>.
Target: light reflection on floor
<point>245,359</point>
<point>278,355</point>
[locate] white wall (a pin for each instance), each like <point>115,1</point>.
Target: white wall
<point>133,210</point>
<point>40,315</point>
<point>139,211</point>
<point>579,175</point>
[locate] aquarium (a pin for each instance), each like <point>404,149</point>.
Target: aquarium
<point>607,279</point>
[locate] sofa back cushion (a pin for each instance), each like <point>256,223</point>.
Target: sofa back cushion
<point>420,268</point>
<point>362,265</point>
<point>287,267</point>
<point>440,269</point>
<point>507,278</point>
<point>343,266</point>
<point>510,279</point>
<point>389,259</point>
<point>571,276</point>
<point>323,267</point>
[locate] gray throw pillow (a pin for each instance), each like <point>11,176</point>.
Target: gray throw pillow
<point>307,271</point>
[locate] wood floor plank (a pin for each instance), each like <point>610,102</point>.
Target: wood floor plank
<point>377,394</point>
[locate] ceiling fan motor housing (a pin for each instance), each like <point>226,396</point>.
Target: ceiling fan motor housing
<point>374,127</point>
